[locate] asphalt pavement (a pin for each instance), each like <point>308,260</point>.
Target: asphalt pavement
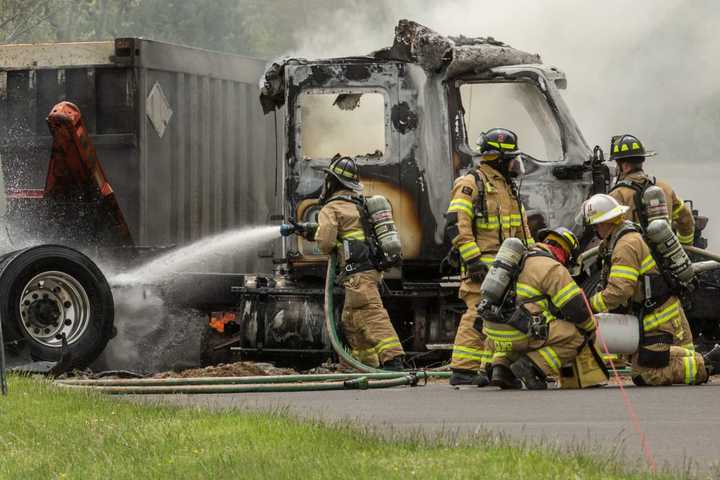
<point>682,423</point>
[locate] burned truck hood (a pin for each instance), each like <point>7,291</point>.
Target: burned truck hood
<point>413,43</point>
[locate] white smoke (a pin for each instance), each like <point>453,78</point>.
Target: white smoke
<point>643,67</point>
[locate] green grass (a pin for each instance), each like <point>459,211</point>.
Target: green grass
<point>48,432</point>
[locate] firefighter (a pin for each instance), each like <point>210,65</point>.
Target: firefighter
<point>551,321</point>
<point>629,154</point>
<point>365,321</point>
<point>626,264</point>
<point>484,210</point>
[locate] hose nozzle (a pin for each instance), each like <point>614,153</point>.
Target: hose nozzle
<point>287,229</point>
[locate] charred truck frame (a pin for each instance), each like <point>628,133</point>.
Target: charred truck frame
<point>418,109</point>
<point>419,106</point>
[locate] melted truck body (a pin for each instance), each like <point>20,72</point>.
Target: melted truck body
<point>411,120</point>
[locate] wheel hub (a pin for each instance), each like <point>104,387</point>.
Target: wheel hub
<point>44,312</point>
<point>54,305</point>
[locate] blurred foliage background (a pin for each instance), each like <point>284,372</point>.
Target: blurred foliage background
<point>261,28</point>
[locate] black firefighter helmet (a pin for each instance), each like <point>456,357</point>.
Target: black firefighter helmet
<point>499,140</point>
<point>345,170</point>
<point>627,146</point>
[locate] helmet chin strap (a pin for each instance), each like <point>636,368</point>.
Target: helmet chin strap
<point>328,188</point>
<point>559,253</point>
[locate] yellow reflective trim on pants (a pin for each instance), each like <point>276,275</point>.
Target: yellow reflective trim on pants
<point>551,358</point>
<point>469,353</point>
<point>647,264</point>
<point>469,250</point>
<point>655,319</point>
<point>462,205</point>
<point>690,365</point>
<point>504,335</point>
<point>623,271</point>
<point>387,344</point>
<point>598,303</point>
<point>689,347</point>
<point>565,294</point>
<point>353,235</point>
<point>686,239</point>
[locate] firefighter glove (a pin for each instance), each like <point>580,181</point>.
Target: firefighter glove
<point>475,269</point>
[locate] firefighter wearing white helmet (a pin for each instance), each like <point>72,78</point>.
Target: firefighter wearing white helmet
<point>628,267</point>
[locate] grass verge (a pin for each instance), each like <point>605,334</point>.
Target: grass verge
<point>49,432</point>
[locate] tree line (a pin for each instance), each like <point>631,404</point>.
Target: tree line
<point>262,28</point>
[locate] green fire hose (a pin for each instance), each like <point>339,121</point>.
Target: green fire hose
<point>168,386</point>
<point>371,378</point>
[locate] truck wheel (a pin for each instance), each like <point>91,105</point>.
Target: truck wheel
<point>50,292</point>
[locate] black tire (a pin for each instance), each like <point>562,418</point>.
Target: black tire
<point>17,269</point>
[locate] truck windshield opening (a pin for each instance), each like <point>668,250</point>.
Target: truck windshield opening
<point>518,106</point>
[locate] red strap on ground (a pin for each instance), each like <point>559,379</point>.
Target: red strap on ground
<point>634,420</point>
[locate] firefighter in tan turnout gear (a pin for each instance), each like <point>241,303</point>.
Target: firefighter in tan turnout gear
<point>484,210</point>
<point>630,154</point>
<point>535,316</point>
<point>632,182</point>
<point>631,282</point>
<point>342,228</point>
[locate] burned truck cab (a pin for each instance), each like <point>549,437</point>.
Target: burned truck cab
<point>410,115</point>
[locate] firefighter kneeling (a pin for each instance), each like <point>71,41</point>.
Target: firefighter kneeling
<point>536,318</point>
<point>632,282</point>
<point>365,246</point>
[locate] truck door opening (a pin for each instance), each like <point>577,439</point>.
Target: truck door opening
<point>349,123</point>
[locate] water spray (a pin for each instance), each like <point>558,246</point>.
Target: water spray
<point>190,256</point>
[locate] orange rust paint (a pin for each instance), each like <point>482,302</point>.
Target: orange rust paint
<point>75,171</point>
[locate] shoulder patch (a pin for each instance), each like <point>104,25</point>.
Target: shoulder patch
<point>467,191</point>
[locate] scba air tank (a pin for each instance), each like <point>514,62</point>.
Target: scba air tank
<point>661,237</point>
<point>381,217</point>
<point>654,204</point>
<point>501,273</point>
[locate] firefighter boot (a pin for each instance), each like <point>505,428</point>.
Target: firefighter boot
<point>531,376</point>
<point>502,377</point>
<point>468,377</point>
<point>395,364</point>
<point>712,360</point>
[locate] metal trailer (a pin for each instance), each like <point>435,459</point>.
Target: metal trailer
<point>180,131</point>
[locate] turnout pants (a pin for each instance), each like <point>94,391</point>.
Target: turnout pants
<point>685,366</point>
<point>469,350</point>
<point>683,334</point>
<point>560,348</point>
<point>365,321</point>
